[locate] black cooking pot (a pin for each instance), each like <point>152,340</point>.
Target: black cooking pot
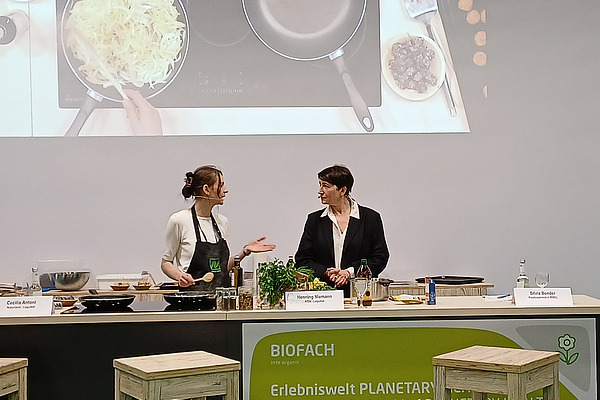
<point>107,301</point>
<point>192,300</point>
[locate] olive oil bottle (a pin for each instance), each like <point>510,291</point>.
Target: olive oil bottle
<point>238,274</point>
<point>364,276</point>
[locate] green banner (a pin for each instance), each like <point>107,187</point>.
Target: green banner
<point>361,364</point>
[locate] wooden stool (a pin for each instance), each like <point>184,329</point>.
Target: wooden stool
<point>13,378</point>
<point>498,370</point>
<point>176,376</point>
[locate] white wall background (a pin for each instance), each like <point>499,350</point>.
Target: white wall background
<point>452,204</point>
<point>522,184</point>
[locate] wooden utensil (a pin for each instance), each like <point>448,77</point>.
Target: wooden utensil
<point>209,276</point>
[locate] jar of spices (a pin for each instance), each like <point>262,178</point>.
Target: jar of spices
<point>232,296</point>
<point>246,297</point>
<point>222,300</point>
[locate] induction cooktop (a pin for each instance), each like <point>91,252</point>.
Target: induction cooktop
<point>135,307</point>
<point>228,66</point>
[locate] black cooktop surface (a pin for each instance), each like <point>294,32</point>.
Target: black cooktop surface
<point>135,307</point>
<point>228,66</point>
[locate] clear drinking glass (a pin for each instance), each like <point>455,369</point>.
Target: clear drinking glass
<point>542,279</point>
<point>360,284</point>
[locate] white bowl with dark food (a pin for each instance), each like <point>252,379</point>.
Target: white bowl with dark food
<point>69,281</point>
<point>413,66</point>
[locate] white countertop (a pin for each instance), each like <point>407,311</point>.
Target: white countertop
<point>453,306</point>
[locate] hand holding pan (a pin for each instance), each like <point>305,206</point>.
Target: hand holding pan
<point>97,91</point>
<point>309,30</point>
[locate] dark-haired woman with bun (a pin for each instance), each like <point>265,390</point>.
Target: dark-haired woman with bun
<point>196,239</point>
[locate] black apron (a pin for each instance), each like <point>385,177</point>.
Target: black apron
<point>209,257</point>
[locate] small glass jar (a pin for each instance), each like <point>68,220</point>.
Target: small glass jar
<point>222,302</point>
<point>246,297</point>
<point>232,297</point>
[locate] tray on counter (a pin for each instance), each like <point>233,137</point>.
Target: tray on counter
<point>453,279</point>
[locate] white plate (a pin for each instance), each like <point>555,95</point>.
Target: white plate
<point>438,68</point>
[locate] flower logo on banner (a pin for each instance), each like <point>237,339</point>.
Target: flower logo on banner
<point>566,342</point>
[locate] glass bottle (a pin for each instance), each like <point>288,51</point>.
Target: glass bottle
<point>290,262</point>
<point>147,279</point>
<point>237,279</point>
<point>363,283</point>
<point>35,289</point>
<point>522,279</point>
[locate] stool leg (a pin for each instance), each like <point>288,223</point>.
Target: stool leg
<point>440,392</point>
<point>516,387</point>
<point>118,394</point>
<point>552,392</point>
<point>21,393</point>
<point>233,386</point>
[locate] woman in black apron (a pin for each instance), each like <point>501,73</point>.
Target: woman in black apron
<point>196,240</point>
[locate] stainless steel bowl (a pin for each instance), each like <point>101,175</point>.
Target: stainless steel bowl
<point>70,280</point>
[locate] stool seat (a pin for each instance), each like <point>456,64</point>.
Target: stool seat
<point>13,378</point>
<point>176,375</point>
<point>484,369</point>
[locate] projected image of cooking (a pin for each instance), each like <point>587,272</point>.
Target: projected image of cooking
<point>139,44</point>
<point>228,66</point>
<point>310,30</point>
<point>134,43</point>
<point>236,67</point>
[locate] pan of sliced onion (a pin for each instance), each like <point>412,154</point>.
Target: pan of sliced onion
<point>134,44</point>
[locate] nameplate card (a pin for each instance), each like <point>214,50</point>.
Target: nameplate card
<point>309,300</point>
<point>32,306</point>
<point>546,297</point>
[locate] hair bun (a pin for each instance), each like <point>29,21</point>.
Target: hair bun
<point>189,177</point>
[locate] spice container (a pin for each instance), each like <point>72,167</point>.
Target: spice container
<point>246,298</point>
<point>232,298</point>
<point>221,300</point>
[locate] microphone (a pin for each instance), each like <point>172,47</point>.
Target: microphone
<point>210,198</point>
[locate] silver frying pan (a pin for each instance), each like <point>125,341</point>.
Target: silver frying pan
<point>96,92</point>
<point>310,30</point>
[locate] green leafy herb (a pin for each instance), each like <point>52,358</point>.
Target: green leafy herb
<point>276,278</point>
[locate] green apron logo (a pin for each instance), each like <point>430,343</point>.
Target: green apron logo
<point>214,264</point>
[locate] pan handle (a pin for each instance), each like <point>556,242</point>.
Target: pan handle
<point>89,103</point>
<point>358,103</point>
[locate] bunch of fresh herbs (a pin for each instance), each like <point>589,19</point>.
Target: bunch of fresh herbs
<point>276,278</point>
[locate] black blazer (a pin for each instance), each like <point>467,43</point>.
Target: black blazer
<point>364,239</point>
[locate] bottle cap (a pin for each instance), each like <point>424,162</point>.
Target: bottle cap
<point>8,30</point>
<point>13,25</point>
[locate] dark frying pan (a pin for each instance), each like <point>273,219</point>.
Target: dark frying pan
<point>192,300</point>
<point>95,92</point>
<point>310,30</point>
<point>107,301</point>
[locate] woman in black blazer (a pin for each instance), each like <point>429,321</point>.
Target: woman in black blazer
<point>336,238</point>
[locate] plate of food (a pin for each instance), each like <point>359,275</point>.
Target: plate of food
<point>407,299</point>
<point>66,301</point>
<point>142,286</point>
<point>413,66</point>
<point>119,286</point>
